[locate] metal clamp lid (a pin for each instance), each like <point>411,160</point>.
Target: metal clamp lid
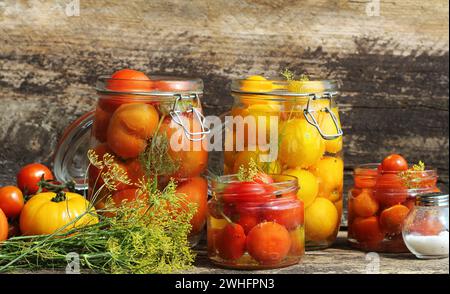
<point>313,121</point>
<point>432,199</point>
<point>176,112</point>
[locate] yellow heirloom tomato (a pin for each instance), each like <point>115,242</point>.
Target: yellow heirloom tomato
<point>301,144</point>
<point>48,212</point>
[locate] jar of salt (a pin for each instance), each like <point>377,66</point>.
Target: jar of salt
<point>425,230</point>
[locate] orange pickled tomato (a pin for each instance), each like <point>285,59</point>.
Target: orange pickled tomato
<point>131,126</point>
<point>367,230</point>
<point>190,156</point>
<point>101,123</point>
<point>268,243</point>
<point>365,204</point>
<point>391,219</point>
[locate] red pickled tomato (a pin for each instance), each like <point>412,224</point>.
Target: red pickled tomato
<point>247,217</point>
<point>365,178</point>
<point>394,162</point>
<point>289,216</point>
<point>245,192</point>
<point>231,242</point>
<point>390,190</point>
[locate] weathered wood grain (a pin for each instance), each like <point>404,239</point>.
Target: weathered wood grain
<point>392,68</point>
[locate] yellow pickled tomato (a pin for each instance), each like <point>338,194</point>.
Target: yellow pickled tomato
<point>256,84</point>
<point>306,86</point>
<point>308,185</point>
<point>217,223</point>
<point>260,114</point>
<point>321,220</point>
<point>327,126</point>
<point>297,241</point>
<point>301,144</point>
<point>330,172</point>
<point>244,158</point>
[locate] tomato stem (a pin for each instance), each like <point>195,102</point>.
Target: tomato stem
<point>51,186</point>
<point>60,196</point>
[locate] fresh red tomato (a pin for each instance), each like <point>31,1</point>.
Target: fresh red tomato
<point>11,201</point>
<point>128,80</point>
<point>4,229</point>
<point>390,190</point>
<point>196,191</point>
<point>394,162</point>
<point>30,175</point>
<point>231,242</point>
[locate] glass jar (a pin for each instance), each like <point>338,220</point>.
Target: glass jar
<point>378,203</point>
<point>292,128</point>
<point>247,229</point>
<point>153,129</point>
<point>425,229</point>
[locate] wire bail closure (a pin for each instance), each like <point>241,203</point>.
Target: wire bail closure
<point>175,113</point>
<point>312,120</point>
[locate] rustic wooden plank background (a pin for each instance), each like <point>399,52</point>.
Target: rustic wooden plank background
<point>392,67</point>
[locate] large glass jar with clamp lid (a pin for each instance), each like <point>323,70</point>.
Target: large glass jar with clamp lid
<point>151,127</point>
<point>291,127</point>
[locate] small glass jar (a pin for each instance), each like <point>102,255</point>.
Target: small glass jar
<point>250,230</point>
<point>425,230</point>
<point>292,127</point>
<point>378,203</point>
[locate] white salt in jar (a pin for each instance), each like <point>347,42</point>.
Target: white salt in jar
<point>425,230</point>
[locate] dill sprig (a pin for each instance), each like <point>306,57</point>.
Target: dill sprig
<point>409,177</point>
<point>247,174</point>
<point>291,76</point>
<point>148,235</point>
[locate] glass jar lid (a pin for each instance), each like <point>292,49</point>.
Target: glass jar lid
<point>432,199</point>
<point>156,85</point>
<point>282,87</point>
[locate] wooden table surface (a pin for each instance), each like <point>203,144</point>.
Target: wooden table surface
<point>340,259</point>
